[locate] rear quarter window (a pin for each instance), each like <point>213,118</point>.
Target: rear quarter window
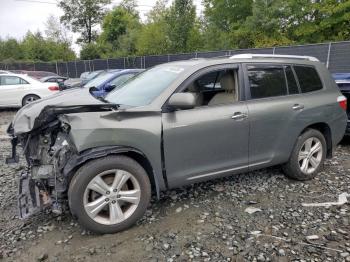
<point>308,78</point>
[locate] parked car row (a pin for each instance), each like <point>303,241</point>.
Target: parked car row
<point>171,125</point>
<point>20,89</point>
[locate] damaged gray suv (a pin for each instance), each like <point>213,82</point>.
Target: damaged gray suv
<point>174,124</point>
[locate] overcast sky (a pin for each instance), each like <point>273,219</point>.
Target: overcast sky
<point>19,16</point>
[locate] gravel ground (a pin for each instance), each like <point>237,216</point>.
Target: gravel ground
<point>257,216</point>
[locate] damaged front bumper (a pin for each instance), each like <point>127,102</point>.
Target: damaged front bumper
<point>31,199</point>
<point>42,185</point>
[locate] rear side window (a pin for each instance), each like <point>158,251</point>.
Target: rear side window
<point>291,82</point>
<point>266,81</point>
<point>309,79</point>
<point>12,80</point>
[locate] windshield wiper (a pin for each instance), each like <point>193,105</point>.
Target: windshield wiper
<point>115,106</point>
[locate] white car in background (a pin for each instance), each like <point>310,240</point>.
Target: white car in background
<point>19,90</point>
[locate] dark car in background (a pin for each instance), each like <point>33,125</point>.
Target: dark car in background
<point>85,77</point>
<point>55,79</point>
<point>343,82</point>
<point>108,81</point>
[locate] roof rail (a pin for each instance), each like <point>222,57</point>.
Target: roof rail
<point>250,56</point>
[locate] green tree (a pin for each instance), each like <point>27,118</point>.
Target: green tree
<point>265,26</point>
<point>318,21</point>
<point>152,38</point>
<point>90,51</point>
<point>221,21</point>
<point>11,49</point>
<point>180,20</point>
<point>82,16</point>
<point>120,30</point>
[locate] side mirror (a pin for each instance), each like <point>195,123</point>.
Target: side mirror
<point>109,87</point>
<point>182,101</point>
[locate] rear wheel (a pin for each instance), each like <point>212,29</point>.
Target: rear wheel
<point>307,157</point>
<point>29,99</point>
<point>110,194</point>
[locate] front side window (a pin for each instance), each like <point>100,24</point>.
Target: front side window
<point>266,81</point>
<point>145,87</point>
<point>12,80</point>
<point>309,79</point>
<point>215,88</point>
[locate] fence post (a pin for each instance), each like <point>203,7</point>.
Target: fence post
<point>57,69</point>
<point>76,71</point>
<point>67,69</point>
<point>124,62</point>
<point>329,54</point>
<point>34,66</point>
<point>168,58</point>
<point>273,50</point>
<point>107,64</point>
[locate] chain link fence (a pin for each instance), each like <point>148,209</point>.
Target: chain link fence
<point>336,56</point>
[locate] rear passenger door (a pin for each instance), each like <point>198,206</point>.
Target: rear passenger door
<point>273,102</point>
<point>11,90</point>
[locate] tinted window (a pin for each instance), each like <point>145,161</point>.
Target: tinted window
<point>266,81</point>
<point>292,83</point>
<point>308,78</point>
<point>209,81</point>
<point>12,80</point>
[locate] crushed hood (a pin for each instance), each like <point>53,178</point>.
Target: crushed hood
<point>42,111</point>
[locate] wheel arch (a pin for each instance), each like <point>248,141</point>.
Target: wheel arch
<point>77,161</point>
<point>29,94</point>
<point>325,129</point>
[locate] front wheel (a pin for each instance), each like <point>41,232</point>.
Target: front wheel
<point>307,157</point>
<point>109,194</point>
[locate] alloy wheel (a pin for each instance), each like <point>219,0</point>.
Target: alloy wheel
<point>30,99</point>
<point>112,197</point>
<point>310,155</point>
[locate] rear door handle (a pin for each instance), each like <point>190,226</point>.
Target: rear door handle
<point>298,107</point>
<point>239,116</point>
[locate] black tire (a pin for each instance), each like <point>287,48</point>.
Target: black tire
<point>90,170</point>
<point>292,168</point>
<point>29,98</point>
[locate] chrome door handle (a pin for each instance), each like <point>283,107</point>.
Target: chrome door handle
<point>239,116</point>
<point>298,107</point>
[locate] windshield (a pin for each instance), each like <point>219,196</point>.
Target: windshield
<point>99,80</point>
<point>93,75</point>
<point>145,87</point>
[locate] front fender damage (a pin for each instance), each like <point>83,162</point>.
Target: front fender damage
<point>47,149</point>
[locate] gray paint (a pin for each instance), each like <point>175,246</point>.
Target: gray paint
<point>205,142</point>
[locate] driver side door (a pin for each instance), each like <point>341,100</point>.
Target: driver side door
<point>207,141</point>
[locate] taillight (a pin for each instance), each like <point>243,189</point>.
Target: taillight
<point>54,88</point>
<point>342,102</point>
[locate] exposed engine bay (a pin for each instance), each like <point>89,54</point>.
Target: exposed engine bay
<point>43,183</point>
<point>47,149</point>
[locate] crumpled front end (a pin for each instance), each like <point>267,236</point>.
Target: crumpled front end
<point>43,183</point>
